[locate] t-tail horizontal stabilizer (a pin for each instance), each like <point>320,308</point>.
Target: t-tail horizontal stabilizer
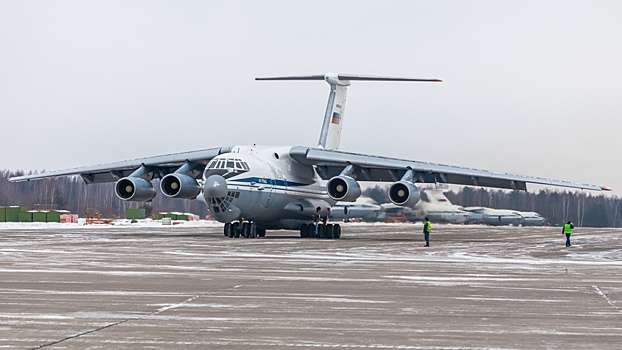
<point>330,136</point>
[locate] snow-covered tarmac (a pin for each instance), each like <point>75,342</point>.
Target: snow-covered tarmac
<point>65,286</point>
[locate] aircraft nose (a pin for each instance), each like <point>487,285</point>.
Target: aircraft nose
<point>215,186</point>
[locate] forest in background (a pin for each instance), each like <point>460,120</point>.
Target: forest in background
<point>584,208</point>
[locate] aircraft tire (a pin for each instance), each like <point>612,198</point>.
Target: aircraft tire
<point>246,230</point>
<point>336,231</point>
<point>321,231</point>
<point>252,230</point>
<point>230,231</point>
<point>261,232</point>
<point>304,230</point>
<point>227,229</point>
<point>328,234</point>
<point>236,229</point>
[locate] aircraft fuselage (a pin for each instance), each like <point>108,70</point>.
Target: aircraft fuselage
<point>266,186</point>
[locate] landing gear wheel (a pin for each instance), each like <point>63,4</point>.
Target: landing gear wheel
<point>261,232</point>
<point>236,229</point>
<point>227,229</point>
<point>246,230</point>
<point>321,231</point>
<point>336,231</point>
<point>230,231</point>
<point>252,230</point>
<point>329,231</point>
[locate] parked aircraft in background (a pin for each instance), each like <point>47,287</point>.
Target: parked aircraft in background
<point>437,201</point>
<point>531,218</point>
<point>252,189</point>
<point>495,217</point>
<point>392,211</point>
<point>364,208</point>
<point>439,209</point>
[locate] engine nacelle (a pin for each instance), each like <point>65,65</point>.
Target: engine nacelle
<point>180,186</point>
<point>134,189</point>
<point>404,193</point>
<point>343,188</point>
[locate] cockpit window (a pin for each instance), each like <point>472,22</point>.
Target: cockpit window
<point>235,164</point>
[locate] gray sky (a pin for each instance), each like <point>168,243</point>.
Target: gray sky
<point>530,87</point>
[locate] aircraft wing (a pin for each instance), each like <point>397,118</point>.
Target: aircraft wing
<point>330,163</point>
<point>111,172</point>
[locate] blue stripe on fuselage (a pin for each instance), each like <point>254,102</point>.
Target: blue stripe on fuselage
<point>276,182</point>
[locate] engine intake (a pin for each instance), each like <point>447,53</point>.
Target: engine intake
<point>180,186</point>
<point>404,193</point>
<point>343,188</point>
<point>134,189</point>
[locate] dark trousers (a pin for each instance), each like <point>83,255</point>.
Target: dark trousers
<point>567,240</point>
<point>426,235</point>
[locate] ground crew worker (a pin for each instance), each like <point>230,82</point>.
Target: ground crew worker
<point>567,230</point>
<point>427,228</point>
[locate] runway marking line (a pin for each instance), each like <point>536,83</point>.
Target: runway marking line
<point>600,292</point>
<point>138,318</point>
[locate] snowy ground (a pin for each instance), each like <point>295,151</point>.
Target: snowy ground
<point>145,285</point>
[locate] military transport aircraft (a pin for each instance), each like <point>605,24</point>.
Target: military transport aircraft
<point>251,189</point>
<point>438,208</point>
<point>364,208</point>
<point>494,217</point>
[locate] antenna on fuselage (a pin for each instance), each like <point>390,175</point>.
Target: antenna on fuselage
<point>330,136</point>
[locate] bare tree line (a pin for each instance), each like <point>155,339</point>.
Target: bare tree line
<point>71,193</point>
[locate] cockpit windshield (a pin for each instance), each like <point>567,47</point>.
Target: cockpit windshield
<point>228,163</point>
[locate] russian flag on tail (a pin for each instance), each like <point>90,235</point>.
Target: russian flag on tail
<point>336,118</point>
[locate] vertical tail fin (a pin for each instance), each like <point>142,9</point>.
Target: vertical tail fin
<point>330,136</point>
<point>437,196</point>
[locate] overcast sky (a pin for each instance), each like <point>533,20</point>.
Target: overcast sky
<point>530,87</point>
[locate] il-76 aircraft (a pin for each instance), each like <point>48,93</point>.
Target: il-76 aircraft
<point>253,189</point>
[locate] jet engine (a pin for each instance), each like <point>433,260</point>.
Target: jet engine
<point>404,193</point>
<point>343,188</point>
<point>180,186</point>
<point>134,189</point>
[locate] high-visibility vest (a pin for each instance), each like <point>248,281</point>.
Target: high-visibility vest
<point>429,227</point>
<point>567,229</point>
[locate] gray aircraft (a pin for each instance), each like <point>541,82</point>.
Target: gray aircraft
<point>363,208</point>
<point>438,208</point>
<point>494,217</point>
<point>252,189</point>
<point>531,218</point>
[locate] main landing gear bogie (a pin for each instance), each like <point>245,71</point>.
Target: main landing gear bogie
<point>320,230</point>
<point>244,230</point>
